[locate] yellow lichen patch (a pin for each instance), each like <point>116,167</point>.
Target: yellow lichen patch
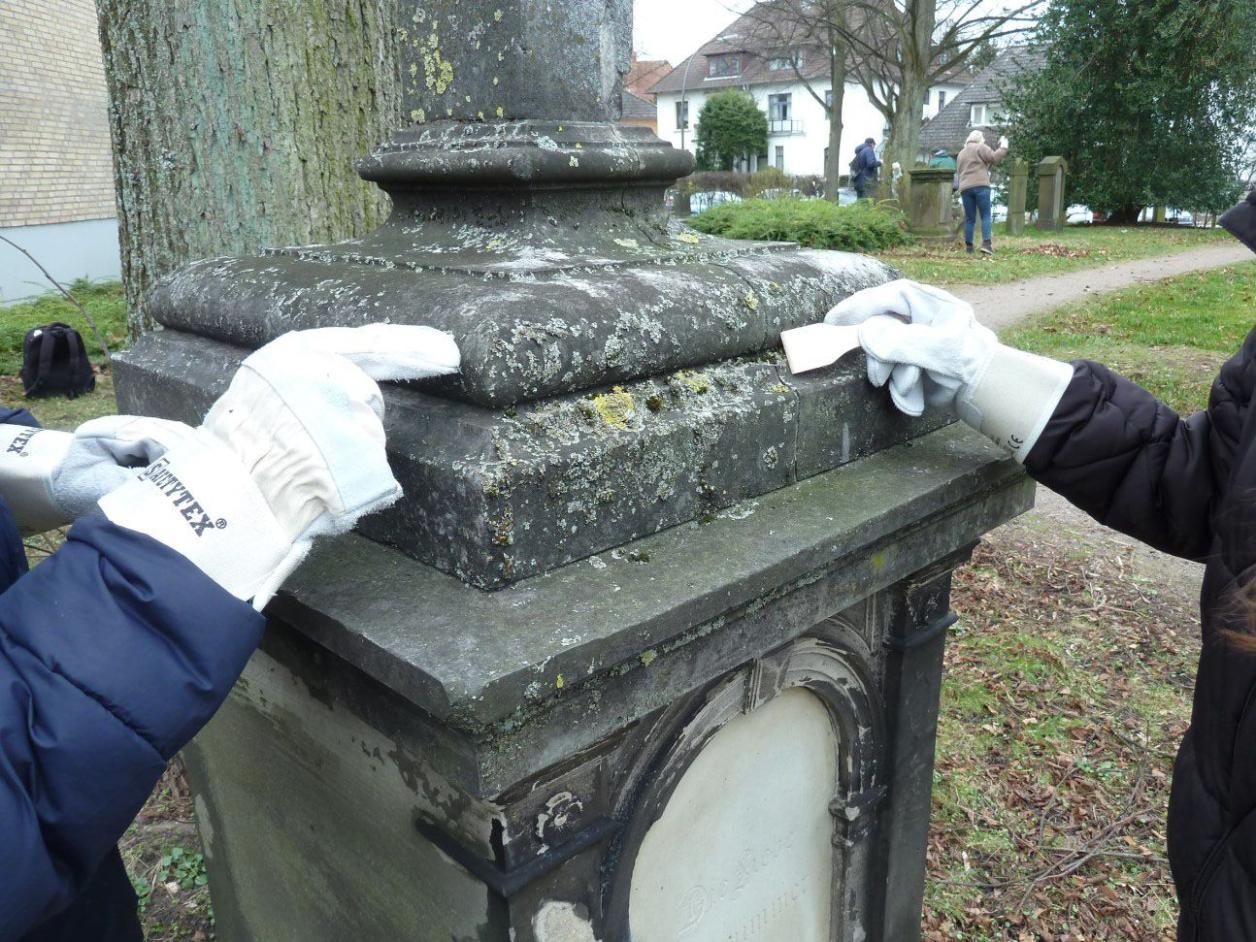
<point>648,658</point>
<point>690,238</point>
<point>752,301</point>
<point>438,72</point>
<point>695,382</point>
<point>560,683</point>
<point>418,116</point>
<point>574,162</point>
<point>497,16</point>
<point>501,112</point>
<point>615,407</point>
<point>780,388</point>
<point>480,115</point>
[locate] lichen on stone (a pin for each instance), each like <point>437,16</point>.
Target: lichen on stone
<point>616,407</point>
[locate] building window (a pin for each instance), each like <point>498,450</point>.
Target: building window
<point>941,99</point>
<point>723,66</point>
<point>682,115</point>
<point>928,98</point>
<point>786,62</point>
<point>780,106</point>
<point>780,158</point>
<point>979,116</point>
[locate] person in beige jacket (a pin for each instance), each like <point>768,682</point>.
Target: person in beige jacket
<point>972,179</point>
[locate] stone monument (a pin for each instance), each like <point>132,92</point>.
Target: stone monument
<point>1051,206</point>
<point>652,647</point>
<point>1017,197</point>
<point>931,203</point>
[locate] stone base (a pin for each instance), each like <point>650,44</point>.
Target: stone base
<point>494,496</point>
<point>408,758</point>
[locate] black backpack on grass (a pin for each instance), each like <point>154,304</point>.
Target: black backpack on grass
<point>54,363</point>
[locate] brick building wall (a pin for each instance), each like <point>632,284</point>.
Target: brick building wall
<point>55,163</point>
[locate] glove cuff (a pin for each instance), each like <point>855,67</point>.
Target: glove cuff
<point>1014,397</point>
<point>199,500</point>
<point>28,458</point>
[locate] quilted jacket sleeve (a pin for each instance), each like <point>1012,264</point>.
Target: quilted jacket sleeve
<point>113,653</point>
<point>1133,464</point>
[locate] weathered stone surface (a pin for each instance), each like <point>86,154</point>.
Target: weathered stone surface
<point>931,202</point>
<point>488,60</point>
<point>494,497</point>
<point>476,659</point>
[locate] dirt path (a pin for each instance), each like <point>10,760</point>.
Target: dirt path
<point>999,306</point>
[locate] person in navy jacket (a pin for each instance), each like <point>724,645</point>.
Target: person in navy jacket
<point>121,645</point>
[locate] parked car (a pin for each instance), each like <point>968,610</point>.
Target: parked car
<point>701,202</point>
<point>1172,216</point>
<point>1079,215</point>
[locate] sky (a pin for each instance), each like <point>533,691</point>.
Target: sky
<point>672,29</point>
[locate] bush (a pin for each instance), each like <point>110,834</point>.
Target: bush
<point>750,185</point>
<point>815,224</point>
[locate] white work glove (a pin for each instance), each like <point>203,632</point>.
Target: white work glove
<point>293,450</point>
<point>1002,142</point>
<point>50,478</point>
<point>928,346</point>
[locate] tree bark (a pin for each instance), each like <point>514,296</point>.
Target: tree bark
<point>837,75</point>
<point>917,56</point>
<point>236,124</point>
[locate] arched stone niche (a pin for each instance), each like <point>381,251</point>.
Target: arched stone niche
<point>750,824</point>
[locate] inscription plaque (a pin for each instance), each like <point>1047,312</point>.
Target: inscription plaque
<point>744,847</point>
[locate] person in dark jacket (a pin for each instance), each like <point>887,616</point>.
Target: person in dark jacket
<point>1186,486</point>
<point>863,169</point>
<point>121,645</point>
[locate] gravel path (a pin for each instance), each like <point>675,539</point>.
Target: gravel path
<point>1000,306</point>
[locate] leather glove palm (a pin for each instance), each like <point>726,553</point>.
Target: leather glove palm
<point>50,478</point>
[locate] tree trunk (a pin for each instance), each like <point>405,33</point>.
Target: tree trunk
<point>917,58</point>
<point>837,77</point>
<point>236,124</point>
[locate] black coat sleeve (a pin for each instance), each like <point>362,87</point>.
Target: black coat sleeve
<point>1132,463</point>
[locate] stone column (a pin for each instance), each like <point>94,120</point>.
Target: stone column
<point>930,199</point>
<point>1051,205</point>
<point>650,648</point>
<point>1018,191</point>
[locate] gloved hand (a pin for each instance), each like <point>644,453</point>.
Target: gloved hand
<point>50,478</point>
<point>293,450</point>
<point>1003,142</point>
<point>927,344</point>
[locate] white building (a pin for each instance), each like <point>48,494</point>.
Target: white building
<point>798,126</point>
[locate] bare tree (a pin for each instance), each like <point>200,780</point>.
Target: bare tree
<point>796,32</point>
<point>902,48</point>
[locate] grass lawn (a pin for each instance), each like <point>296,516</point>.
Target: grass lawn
<point>1169,336</point>
<point>1041,253</point>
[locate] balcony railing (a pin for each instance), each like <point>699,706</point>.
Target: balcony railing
<point>785,127</point>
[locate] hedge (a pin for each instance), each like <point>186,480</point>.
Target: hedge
<point>817,224</point>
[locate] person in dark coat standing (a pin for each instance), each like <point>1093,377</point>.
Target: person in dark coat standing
<point>1186,486</point>
<point>863,169</point>
<point>121,645</point>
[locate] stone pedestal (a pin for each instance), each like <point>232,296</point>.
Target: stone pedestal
<point>931,204</point>
<point>1017,196</point>
<point>652,647</point>
<point>1051,205</point>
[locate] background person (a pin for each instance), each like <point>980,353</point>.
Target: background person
<point>1183,486</point>
<point>863,169</point>
<point>119,647</point>
<point>972,176</point>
